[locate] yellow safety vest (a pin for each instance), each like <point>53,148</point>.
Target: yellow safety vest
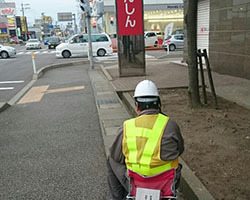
<point>141,145</point>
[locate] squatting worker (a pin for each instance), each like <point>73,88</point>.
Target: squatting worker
<point>167,141</point>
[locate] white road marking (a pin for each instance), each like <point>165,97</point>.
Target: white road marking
<point>27,53</point>
<point>6,82</point>
<point>20,53</point>
<point>6,88</point>
<point>37,52</point>
<point>52,52</point>
<point>44,52</point>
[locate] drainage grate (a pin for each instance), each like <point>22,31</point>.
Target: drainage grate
<point>107,101</point>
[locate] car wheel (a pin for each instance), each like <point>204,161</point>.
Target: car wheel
<point>66,54</point>
<point>101,52</point>
<point>4,54</point>
<point>172,47</point>
<point>156,44</point>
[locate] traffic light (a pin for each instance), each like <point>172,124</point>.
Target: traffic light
<point>84,5</point>
<point>111,20</point>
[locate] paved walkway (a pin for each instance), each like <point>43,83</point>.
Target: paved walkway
<point>168,74</point>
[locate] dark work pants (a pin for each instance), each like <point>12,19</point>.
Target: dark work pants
<point>117,180</point>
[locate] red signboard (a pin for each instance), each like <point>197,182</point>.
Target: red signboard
<point>129,17</point>
<point>7,11</point>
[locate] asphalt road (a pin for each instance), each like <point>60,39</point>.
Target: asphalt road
<point>52,148</point>
<point>17,71</point>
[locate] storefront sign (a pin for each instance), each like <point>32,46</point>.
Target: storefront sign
<point>7,11</point>
<point>23,24</point>
<point>11,22</point>
<point>129,17</point>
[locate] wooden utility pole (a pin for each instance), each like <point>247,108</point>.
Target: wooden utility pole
<point>191,24</point>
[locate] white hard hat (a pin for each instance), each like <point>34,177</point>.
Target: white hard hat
<point>146,88</point>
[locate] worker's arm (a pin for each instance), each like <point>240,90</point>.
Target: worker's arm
<point>172,144</point>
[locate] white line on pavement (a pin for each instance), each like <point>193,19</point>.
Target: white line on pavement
<point>6,88</point>
<point>20,53</point>
<point>44,52</point>
<point>6,82</point>
<point>37,52</point>
<point>52,52</point>
<point>28,53</point>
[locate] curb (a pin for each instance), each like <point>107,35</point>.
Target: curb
<point>41,71</point>
<point>146,49</point>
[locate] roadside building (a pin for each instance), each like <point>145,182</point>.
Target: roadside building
<point>223,29</point>
<point>157,15</point>
<point>7,21</point>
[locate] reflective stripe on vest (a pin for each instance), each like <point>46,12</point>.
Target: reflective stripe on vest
<point>145,161</point>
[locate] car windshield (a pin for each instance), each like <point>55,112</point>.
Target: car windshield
<point>54,39</point>
<point>32,41</point>
<point>169,37</point>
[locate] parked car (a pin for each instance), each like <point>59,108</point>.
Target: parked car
<point>17,41</point>
<point>33,44</point>
<point>178,32</point>
<point>6,51</point>
<point>173,42</point>
<point>150,38</point>
<point>53,42</point>
<point>78,46</point>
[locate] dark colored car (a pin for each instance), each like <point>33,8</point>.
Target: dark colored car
<point>53,42</point>
<point>46,40</point>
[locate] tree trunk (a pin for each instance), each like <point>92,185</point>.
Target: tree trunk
<point>191,24</point>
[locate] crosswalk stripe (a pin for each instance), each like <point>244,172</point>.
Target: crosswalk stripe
<point>6,88</point>
<point>36,52</point>
<point>6,82</point>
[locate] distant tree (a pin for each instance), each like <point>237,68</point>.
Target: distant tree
<point>191,25</point>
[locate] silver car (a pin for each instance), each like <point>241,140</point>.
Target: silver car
<point>33,44</point>
<point>173,42</point>
<point>6,51</point>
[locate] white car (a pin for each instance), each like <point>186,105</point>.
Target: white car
<point>6,51</point>
<point>150,38</point>
<point>77,46</point>
<point>33,44</point>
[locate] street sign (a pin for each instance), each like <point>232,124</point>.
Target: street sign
<point>64,16</point>
<point>129,17</point>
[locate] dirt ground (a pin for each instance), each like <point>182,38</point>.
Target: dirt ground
<point>217,143</point>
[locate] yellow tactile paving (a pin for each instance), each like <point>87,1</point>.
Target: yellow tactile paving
<point>65,89</point>
<point>35,94</point>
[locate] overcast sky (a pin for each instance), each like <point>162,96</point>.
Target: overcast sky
<point>49,7</point>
